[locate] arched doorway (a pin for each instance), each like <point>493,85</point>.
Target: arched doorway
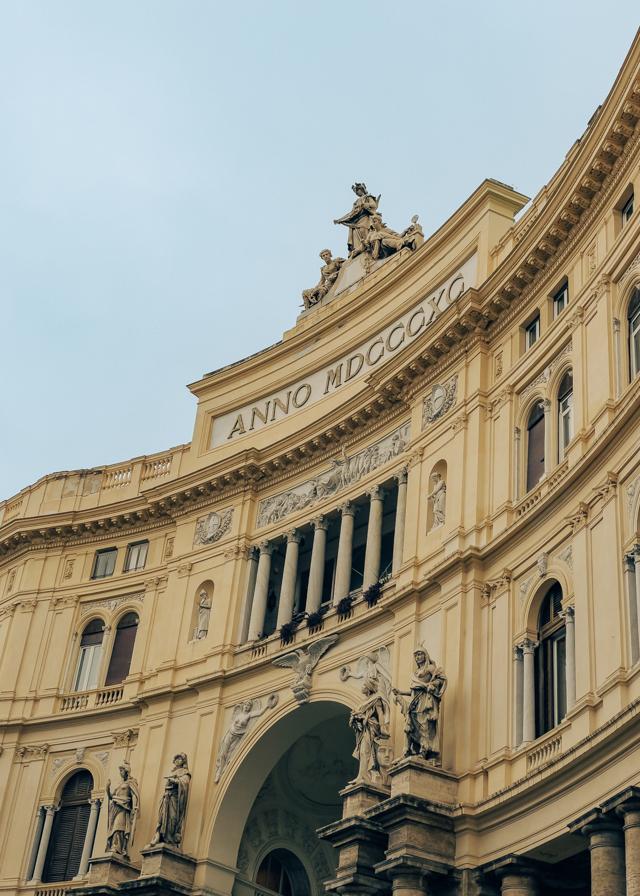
<point>286,787</point>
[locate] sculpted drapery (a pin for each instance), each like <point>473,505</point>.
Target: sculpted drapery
<point>173,805</point>
<point>422,710</point>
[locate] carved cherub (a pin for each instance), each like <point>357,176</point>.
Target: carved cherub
<point>303,661</point>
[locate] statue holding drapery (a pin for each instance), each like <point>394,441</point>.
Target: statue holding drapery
<point>422,710</point>
<point>173,805</point>
<point>359,218</point>
<point>123,802</point>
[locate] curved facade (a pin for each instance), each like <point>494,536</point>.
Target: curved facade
<point>442,451</point>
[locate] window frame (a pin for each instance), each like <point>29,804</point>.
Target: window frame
<point>633,331</point>
<point>563,414</point>
<point>144,542</point>
<point>119,627</point>
<point>104,552</point>
<point>551,679</point>
<point>627,209</point>
<point>537,404</point>
<point>533,326</point>
<point>87,674</point>
<point>561,294</point>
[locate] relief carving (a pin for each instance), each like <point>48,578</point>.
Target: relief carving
<point>111,603</point>
<point>443,398</point>
<point>243,714</point>
<point>303,661</point>
<point>212,527</point>
<point>344,471</point>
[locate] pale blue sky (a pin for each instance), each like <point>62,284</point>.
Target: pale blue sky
<point>170,171</point>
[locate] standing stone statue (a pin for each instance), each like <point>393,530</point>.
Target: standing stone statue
<point>328,276</point>
<point>370,723</point>
<point>204,611</point>
<point>173,805</point>
<point>242,716</point>
<point>422,710</point>
<point>123,802</point>
<point>359,218</point>
<point>438,498</point>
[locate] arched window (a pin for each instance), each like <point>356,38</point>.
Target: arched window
<point>565,413</point>
<point>551,666</point>
<point>535,445</point>
<point>69,829</point>
<point>283,872</point>
<point>123,642</point>
<point>633,316</point>
<point>86,676</point>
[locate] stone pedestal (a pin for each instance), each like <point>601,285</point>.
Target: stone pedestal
<point>108,872</point>
<point>359,842</point>
<point>419,777</point>
<point>168,863</point>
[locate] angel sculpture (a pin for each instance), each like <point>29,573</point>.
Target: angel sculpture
<point>303,661</point>
<point>242,716</point>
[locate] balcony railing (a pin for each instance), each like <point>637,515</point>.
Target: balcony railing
<point>543,752</point>
<point>91,699</point>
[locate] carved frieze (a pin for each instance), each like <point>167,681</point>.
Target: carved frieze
<point>545,376</point>
<point>213,527</point>
<point>343,472</point>
<point>111,603</point>
<point>27,752</point>
<point>442,398</point>
<point>125,738</point>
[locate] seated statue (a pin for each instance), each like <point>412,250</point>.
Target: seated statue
<point>381,241</point>
<point>328,276</point>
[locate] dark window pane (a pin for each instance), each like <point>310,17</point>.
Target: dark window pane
<point>535,447</point>
<point>122,652</point>
<point>93,633</point>
<point>69,829</point>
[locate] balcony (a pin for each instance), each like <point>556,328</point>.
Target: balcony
<point>96,699</point>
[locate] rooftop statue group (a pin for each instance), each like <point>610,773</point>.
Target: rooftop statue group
<point>369,235</point>
<point>124,801</point>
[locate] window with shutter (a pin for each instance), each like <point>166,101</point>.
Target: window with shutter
<point>551,684</point>
<point>123,643</point>
<point>69,829</point>
<point>535,446</point>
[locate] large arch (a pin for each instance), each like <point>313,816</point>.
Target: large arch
<point>233,808</point>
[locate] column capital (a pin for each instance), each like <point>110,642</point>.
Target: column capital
<point>402,476</point>
<point>616,324</point>
<point>517,652</point>
<point>51,809</point>
<point>294,536</point>
<point>266,547</point>
<point>376,493</point>
<point>527,645</point>
<point>348,508</point>
<point>320,522</point>
<point>636,553</point>
<point>516,433</point>
<point>596,822</point>
<point>252,552</point>
<point>568,613</point>
<point>626,805</point>
<point>546,404</point>
<point>95,802</point>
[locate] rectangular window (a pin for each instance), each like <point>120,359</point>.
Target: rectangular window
<point>561,300</point>
<point>532,332</point>
<point>104,563</point>
<point>627,210</point>
<point>136,555</point>
<point>565,423</point>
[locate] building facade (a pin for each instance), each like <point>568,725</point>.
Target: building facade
<point>209,657</point>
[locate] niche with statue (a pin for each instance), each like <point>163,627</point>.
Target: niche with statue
<point>437,497</point>
<point>201,616</point>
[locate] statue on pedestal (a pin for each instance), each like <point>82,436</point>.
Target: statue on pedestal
<point>370,723</point>
<point>204,611</point>
<point>123,802</point>
<point>359,218</point>
<point>422,710</point>
<point>328,276</point>
<point>173,805</point>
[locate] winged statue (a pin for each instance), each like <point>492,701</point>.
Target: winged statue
<point>303,661</point>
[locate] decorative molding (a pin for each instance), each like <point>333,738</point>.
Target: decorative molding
<point>543,564</point>
<point>68,600</point>
<point>27,752</point>
<point>68,567</point>
<point>212,527</point>
<point>524,586</point>
<point>545,376</point>
<point>110,603</point>
<point>125,738</point>
<point>343,472</point>
<point>443,397</point>
<point>102,757</point>
<point>566,556</point>
<point>579,517</point>
<point>168,547</point>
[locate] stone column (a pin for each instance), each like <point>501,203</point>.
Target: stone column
<point>316,570</point>
<point>44,844</point>
<point>89,837</point>
<point>516,463</point>
<point>401,513</point>
<point>252,558</point>
<point>408,884</point>
<point>517,695</point>
<point>636,560</point>
<point>374,537</point>
<point>259,606</point>
<point>570,671</point>
<point>519,883</point>
<point>345,550</point>
<point>548,462</point>
<point>617,356</point>
<point>630,812</point>
<point>528,692</point>
<point>36,843</point>
<point>607,857</point>
<point>634,620</point>
<point>289,576</point>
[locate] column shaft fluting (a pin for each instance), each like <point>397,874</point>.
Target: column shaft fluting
<point>345,550</point>
<point>259,606</point>
<point>528,693</point>
<point>374,538</point>
<point>401,512</point>
<point>44,845</point>
<point>316,570</point>
<point>289,576</point>
<point>89,837</point>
